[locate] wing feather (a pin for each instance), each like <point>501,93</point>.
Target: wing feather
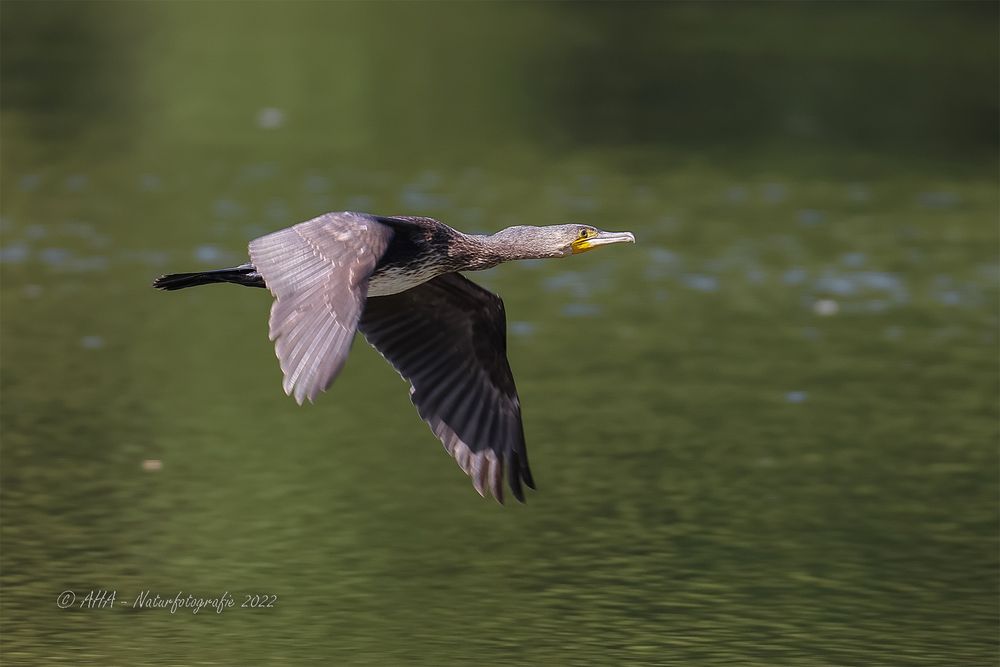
<point>447,338</point>
<point>318,272</point>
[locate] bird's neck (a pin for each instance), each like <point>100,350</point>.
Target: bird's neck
<point>485,251</point>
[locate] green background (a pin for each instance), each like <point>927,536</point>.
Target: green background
<point>765,434</point>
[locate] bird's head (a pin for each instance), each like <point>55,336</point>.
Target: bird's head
<point>558,240</point>
<point>585,237</point>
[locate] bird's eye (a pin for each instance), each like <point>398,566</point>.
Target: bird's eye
<point>584,233</point>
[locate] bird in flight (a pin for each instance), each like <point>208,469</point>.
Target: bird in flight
<point>396,280</point>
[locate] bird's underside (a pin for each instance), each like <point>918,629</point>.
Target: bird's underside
<point>443,333</point>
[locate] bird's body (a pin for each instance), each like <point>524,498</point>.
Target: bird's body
<point>412,257</point>
<point>396,280</point>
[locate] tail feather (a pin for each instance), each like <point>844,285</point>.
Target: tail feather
<point>245,274</point>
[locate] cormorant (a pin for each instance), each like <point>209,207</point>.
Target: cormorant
<point>396,280</point>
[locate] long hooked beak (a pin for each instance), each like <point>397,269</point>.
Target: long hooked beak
<point>602,238</point>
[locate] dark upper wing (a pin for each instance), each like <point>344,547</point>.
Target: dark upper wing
<point>448,338</point>
<point>318,272</point>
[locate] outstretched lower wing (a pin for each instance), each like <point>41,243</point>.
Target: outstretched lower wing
<point>318,273</point>
<point>448,338</point>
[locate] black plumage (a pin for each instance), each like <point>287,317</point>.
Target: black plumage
<point>448,338</point>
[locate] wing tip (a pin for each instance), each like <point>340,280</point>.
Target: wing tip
<point>297,392</point>
<point>487,479</point>
<point>484,468</point>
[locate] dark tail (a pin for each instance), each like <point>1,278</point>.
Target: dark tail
<point>245,274</point>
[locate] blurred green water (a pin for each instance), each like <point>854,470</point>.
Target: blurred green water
<point>766,434</point>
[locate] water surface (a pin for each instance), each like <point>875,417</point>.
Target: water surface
<point>765,434</point>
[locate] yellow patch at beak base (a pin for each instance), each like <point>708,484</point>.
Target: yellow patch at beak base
<point>600,238</point>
